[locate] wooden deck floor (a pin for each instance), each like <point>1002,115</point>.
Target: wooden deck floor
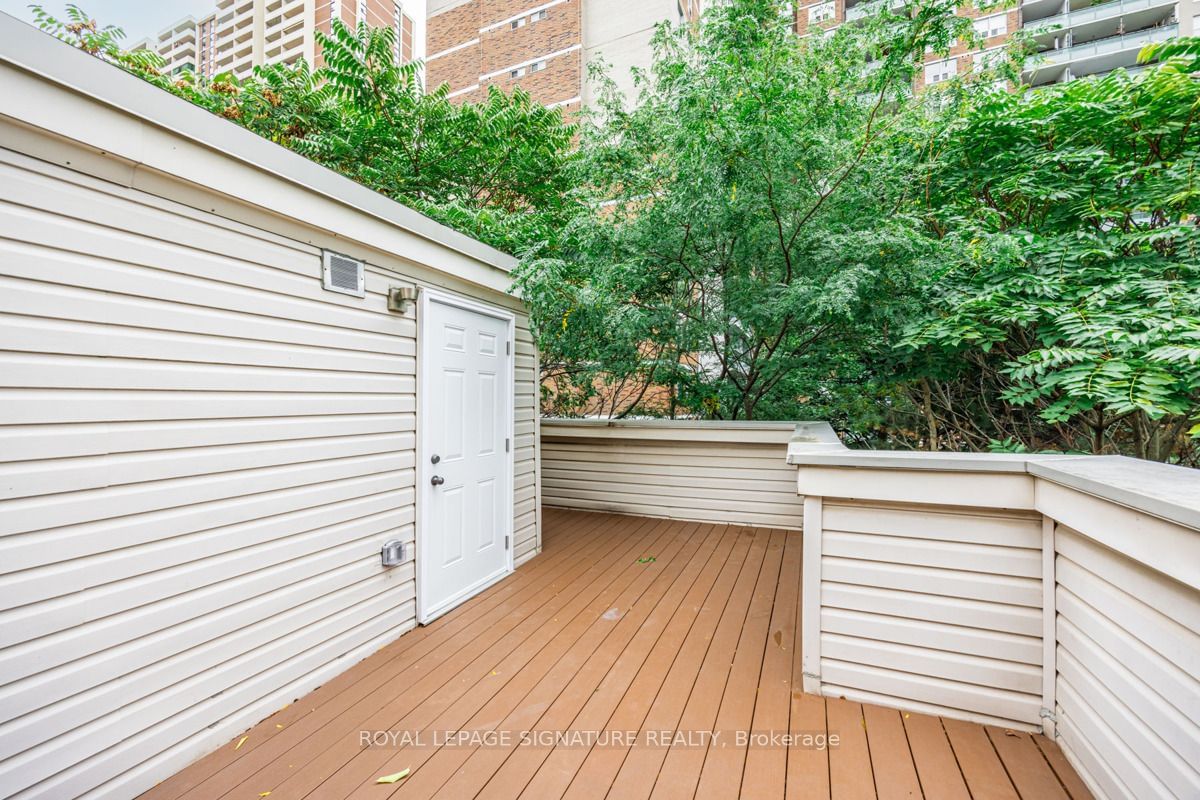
<point>622,625</point>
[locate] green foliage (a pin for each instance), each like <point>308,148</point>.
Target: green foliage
<point>751,231</point>
<point>494,169</point>
<point>1067,218</point>
<point>81,31</point>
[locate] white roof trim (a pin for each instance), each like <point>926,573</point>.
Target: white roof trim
<point>29,50</point>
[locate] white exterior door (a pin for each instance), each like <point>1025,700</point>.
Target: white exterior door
<point>464,533</point>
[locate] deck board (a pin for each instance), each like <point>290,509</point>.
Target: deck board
<point>622,624</point>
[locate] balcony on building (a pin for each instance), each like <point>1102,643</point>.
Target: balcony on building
<point>861,8</point>
<point>1076,40</point>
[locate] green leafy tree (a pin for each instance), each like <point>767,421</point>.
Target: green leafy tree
<point>494,169</point>
<point>752,229</point>
<point>1067,312</point>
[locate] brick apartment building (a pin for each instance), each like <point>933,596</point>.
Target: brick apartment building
<point>242,34</point>
<point>543,46</point>
<point>1074,38</point>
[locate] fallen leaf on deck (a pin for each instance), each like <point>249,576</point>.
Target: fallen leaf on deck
<point>399,776</point>
<point>646,560</point>
<point>263,794</point>
<point>1011,733</point>
<point>241,742</point>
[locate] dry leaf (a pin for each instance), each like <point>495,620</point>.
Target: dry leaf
<point>263,794</point>
<point>1011,733</point>
<point>399,776</point>
<point>241,742</point>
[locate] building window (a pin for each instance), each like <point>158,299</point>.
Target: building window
<point>517,73</point>
<point>537,66</point>
<point>995,25</point>
<point>517,23</point>
<point>991,59</point>
<point>821,12</point>
<point>939,71</point>
<point>537,16</point>
<point>362,12</point>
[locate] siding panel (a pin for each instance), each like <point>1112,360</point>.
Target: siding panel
<point>716,472</point>
<point>1128,659</point>
<point>937,606</point>
<point>201,452</point>
<point>1077,611</point>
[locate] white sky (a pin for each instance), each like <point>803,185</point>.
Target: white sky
<point>139,18</point>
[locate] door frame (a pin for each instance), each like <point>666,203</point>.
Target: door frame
<point>424,471</point>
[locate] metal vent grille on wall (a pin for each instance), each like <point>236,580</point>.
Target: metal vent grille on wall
<point>343,274</point>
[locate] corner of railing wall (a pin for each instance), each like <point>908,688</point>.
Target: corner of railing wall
<point>1037,592</point>
<point>813,437</point>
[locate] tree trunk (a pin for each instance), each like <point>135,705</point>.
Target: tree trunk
<point>1098,433</point>
<point>930,419</point>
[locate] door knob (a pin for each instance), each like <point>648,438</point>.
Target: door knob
<point>437,480</point>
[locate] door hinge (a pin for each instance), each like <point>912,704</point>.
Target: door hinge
<point>508,445</point>
<point>508,348</point>
<point>505,542</point>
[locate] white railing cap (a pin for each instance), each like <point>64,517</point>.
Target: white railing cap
<point>687,430</point>
<point>1162,490</point>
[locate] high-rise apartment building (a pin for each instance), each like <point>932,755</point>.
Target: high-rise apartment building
<point>543,46</point>
<point>186,45</point>
<point>1075,38</point>
<point>242,34</point>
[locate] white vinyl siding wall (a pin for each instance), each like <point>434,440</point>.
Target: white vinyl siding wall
<point>201,453</point>
<point>1128,671</point>
<point>718,472</point>
<point>526,502</point>
<point>1060,593</point>
<point>934,605</point>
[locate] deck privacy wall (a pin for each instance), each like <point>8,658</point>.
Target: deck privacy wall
<point>932,604</point>
<point>1052,593</point>
<point>708,472</point>
<point>1128,655</point>
<point>201,451</point>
